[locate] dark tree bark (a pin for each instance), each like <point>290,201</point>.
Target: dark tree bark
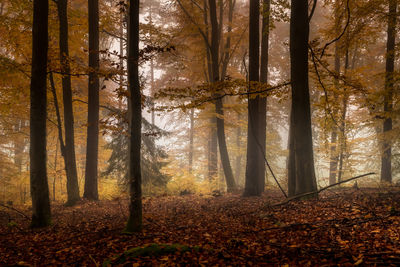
<point>301,152</point>
<point>41,214</point>
<point>213,142</point>
<point>223,150</point>
<point>255,163</point>
<point>386,161</point>
<point>134,223</point>
<point>92,148</point>
<point>69,149</point>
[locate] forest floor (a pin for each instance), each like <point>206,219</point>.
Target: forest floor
<point>344,227</point>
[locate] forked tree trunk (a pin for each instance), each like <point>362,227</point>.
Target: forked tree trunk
<point>41,214</point>
<point>92,144</point>
<point>69,149</point>
<point>223,150</point>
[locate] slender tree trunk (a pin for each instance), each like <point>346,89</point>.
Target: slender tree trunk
<point>213,142</point>
<point>302,146</point>
<point>333,165</point>
<point>152,88</point>
<point>19,145</point>
<point>291,163</point>
<point>92,148</point>
<point>134,223</point>
<point>41,214</point>
<point>55,172</point>
<point>69,150</point>
<point>238,145</point>
<point>386,161</point>
<point>266,6</point>
<point>191,140</point>
<point>342,139</point>
<point>230,182</point>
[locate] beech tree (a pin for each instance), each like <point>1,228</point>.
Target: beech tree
<point>301,160</point>
<point>67,150</point>
<point>386,165</point>
<point>257,113</point>
<point>134,223</point>
<point>92,148</point>
<point>214,51</point>
<point>41,214</point>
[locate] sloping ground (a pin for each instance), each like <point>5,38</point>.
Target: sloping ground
<point>344,227</point>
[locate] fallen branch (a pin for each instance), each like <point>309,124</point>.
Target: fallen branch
<point>322,189</point>
<point>17,211</point>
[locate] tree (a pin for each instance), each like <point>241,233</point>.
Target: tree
<point>92,148</point>
<point>214,51</point>
<point>301,159</point>
<point>134,223</point>
<point>333,164</point>
<point>68,151</point>
<point>41,214</point>
<point>386,162</point>
<point>255,165</point>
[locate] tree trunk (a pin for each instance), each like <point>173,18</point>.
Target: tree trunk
<point>91,188</point>
<point>333,165</point>
<point>41,214</point>
<point>256,130</point>
<point>152,87</point>
<point>191,140</point>
<point>239,155</point>
<point>55,172</point>
<point>302,147</point>
<point>230,182</point>
<point>291,163</point>
<point>69,149</point>
<point>213,142</point>
<point>19,145</point>
<point>342,139</point>
<point>134,223</point>
<point>386,165</point>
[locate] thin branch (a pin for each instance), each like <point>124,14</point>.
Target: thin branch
<point>312,11</point>
<point>197,5</point>
<point>102,106</point>
<point>195,23</point>
<point>115,36</point>
<point>322,189</point>
<point>343,32</point>
<point>323,86</point>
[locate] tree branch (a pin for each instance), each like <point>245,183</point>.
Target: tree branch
<point>322,189</point>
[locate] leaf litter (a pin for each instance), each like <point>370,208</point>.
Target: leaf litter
<point>344,227</point>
